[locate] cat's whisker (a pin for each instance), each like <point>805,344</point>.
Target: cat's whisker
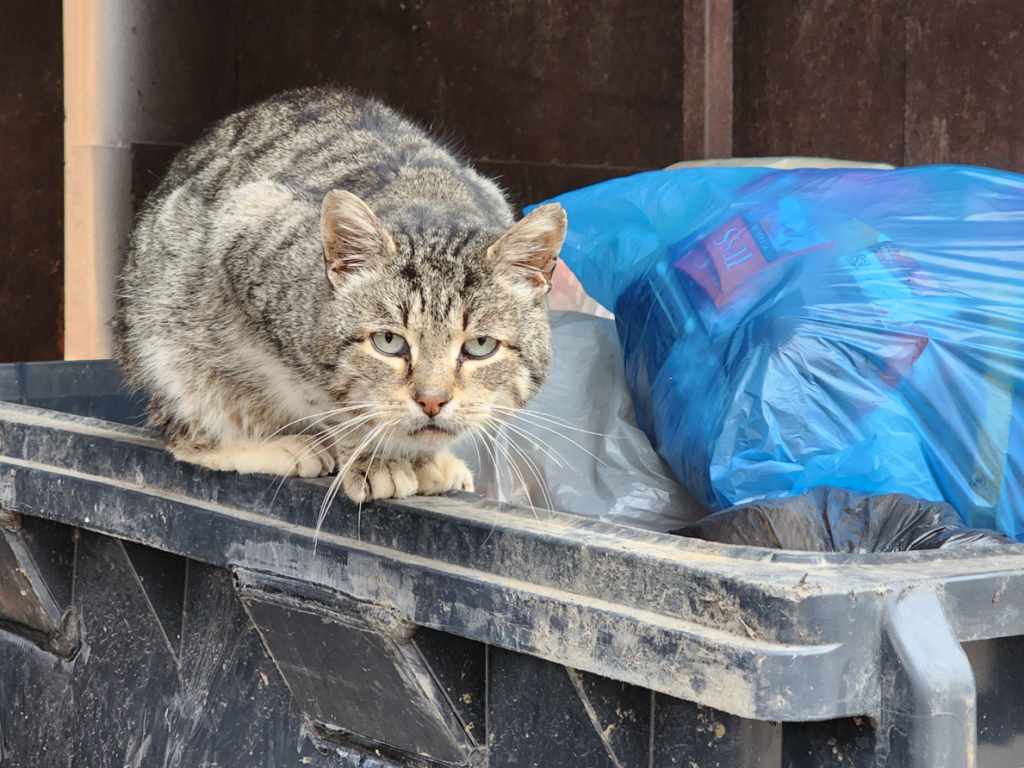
<point>324,415</point>
<point>526,415</point>
<point>484,437</point>
<point>538,475</point>
<point>387,444</point>
<point>522,479</point>
<point>492,443</point>
<point>332,491</point>
<point>337,484</point>
<point>544,446</point>
<point>332,437</point>
<point>497,479</point>
<point>532,466</point>
<point>362,490</point>
<point>535,420</point>
<point>343,435</point>
<point>515,468</point>
<point>281,480</point>
<point>548,449</point>
<point>555,432</point>
<point>355,420</point>
<point>318,442</point>
<point>476,447</point>
<point>338,412</point>
<point>530,461</point>
<point>357,450</point>
<point>339,480</point>
<point>329,498</point>
<point>549,416</point>
<point>339,432</point>
<point>494,461</point>
<point>542,443</point>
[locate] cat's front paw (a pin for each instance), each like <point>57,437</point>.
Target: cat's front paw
<point>379,479</point>
<point>441,472</point>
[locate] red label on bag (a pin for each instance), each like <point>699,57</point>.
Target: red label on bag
<point>723,261</point>
<point>743,247</point>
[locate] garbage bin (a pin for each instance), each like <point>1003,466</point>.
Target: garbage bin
<point>156,613</point>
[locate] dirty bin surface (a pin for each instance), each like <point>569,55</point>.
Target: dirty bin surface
<point>155,613</point>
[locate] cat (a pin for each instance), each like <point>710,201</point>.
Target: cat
<point>317,285</point>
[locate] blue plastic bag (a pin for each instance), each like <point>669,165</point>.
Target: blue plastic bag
<point>790,329</point>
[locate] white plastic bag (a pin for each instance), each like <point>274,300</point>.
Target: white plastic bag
<point>576,447</point>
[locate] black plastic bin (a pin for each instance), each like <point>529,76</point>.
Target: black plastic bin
<point>157,614</point>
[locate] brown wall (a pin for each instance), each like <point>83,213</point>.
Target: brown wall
<point>909,82</point>
<point>548,96</point>
<point>31,180</point>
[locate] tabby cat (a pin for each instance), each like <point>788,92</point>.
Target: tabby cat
<point>318,285</point>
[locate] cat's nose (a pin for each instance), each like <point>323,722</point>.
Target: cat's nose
<point>431,405</point>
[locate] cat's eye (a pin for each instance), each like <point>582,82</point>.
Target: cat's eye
<point>480,347</point>
<point>388,343</point>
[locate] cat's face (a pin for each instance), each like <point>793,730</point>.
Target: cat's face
<point>437,333</point>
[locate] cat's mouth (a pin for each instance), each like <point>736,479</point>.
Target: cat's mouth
<point>433,434</point>
<point>432,429</point>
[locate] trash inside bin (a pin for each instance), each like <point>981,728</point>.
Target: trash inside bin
<point>784,330</point>
<point>831,519</point>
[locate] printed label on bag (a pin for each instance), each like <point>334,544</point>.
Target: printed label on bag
<point>869,286</point>
<point>746,245</point>
<point>723,261</point>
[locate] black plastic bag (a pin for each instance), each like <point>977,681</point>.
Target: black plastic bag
<point>829,519</point>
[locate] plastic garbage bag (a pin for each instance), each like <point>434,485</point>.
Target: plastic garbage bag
<point>789,329</point>
<point>576,447</point>
<point>836,520</point>
<point>567,294</point>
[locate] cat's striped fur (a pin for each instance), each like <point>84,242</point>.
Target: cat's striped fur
<point>275,249</point>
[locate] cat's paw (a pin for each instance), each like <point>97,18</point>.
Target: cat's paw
<point>381,479</point>
<point>284,456</point>
<point>441,472</point>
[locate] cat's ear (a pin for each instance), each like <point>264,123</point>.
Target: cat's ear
<point>531,247</point>
<point>353,238</point>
